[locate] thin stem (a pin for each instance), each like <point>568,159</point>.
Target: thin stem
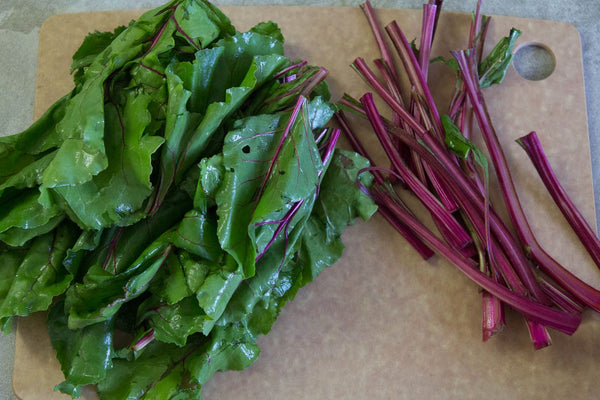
<point>424,251</point>
<point>532,146</point>
<point>289,68</point>
<point>361,67</point>
<point>589,295</point>
<point>313,81</point>
<point>561,298</point>
<point>555,319</point>
<point>465,192</point>
<point>381,43</point>
<point>410,237</point>
<point>143,341</point>
<point>357,145</point>
<point>427,32</point>
<point>333,138</point>
<point>417,79</point>
<point>438,5</point>
<point>282,224</point>
<point>452,229</point>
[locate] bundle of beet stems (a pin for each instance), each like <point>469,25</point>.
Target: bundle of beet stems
<point>431,155</point>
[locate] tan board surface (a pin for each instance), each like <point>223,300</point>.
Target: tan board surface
<point>383,324</point>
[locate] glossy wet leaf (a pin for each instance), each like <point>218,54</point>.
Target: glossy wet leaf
<point>132,378</point>
<point>85,354</point>
<point>175,198</point>
<point>40,276</point>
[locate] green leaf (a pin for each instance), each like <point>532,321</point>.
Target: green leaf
<point>167,386</point>
<point>6,325</point>
<point>124,264</point>
<point>17,236</point>
<point>195,271</point>
<point>26,213</point>
<point>82,155</point>
<point>340,202</point>
<point>118,247</point>
<point>278,172</point>
<point>179,126</point>
<point>229,348</point>
<point>211,177</point>
<point>235,195</point>
<point>187,394</point>
<point>84,354</point>
<point>195,25</point>
<point>149,77</point>
<point>93,44</point>
<point>256,304</point>
<point>27,171</point>
<point>39,137</point>
<point>461,146</point>
<point>270,29</point>
<point>170,284</point>
<point>159,365</point>
<point>87,241</point>
<point>237,67</point>
<point>492,68</point>
<point>201,79</point>
<point>11,259</point>
<point>69,389</point>
<point>216,17</point>
<point>450,62</point>
<point>218,287</point>
<point>260,70</point>
<point>295,169</point>
<point>116,195</point>
<point>197,234</point>
<point>173,323</point>
<point>248,48</point>
<point>40,276</point>
<point>101,295</point>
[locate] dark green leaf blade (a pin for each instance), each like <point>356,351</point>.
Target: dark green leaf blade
<point>116,195</point>
<point>229,348</point>
<point>141,377</point>
<point>93,44</point>
<point>40,276</point>
<point>84,354</point>
<point>175,322</point>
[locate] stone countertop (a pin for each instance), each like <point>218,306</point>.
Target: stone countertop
<point>20,22</point>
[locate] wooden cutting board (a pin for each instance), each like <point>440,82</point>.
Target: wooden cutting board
<point>382,323</point>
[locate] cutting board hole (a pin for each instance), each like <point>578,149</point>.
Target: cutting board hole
<point>534,61</point>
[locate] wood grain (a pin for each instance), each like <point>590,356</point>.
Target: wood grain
<point>382,323</point>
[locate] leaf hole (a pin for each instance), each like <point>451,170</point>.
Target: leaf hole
<point>534,61</point>
<point>246,149</point>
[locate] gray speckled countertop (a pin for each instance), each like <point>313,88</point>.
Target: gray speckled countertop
<point>20,22</point>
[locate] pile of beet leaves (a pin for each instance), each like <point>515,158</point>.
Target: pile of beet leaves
<point>167,208</point>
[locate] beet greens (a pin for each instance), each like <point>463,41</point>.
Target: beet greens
<point>434,148</point>
<point>166,209</point>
